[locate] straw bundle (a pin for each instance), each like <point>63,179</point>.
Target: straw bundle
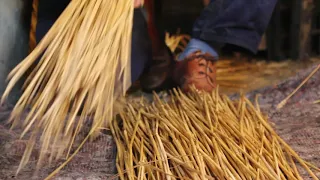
<point>201,136</point>
<point>84,66</point>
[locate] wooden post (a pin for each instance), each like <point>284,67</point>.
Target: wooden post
<point>302,11</point>
<point>306,27</point>
<point>33,26</point>
<point>318,27</point>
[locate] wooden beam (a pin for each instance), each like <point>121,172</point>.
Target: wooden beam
<point>306,27</point>
<point>302,14</point>
<point>318,26</point>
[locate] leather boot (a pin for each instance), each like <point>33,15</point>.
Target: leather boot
<point>197,69</point>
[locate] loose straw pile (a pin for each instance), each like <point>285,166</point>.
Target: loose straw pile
<point>84,66</point>
<point>201,136</point>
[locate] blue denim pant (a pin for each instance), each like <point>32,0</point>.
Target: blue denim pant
<point>237,22</point>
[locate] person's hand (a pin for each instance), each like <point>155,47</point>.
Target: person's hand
<point>138,3</point>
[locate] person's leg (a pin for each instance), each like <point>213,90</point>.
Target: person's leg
<point>49,11</point>
<point>241,23</point>
<point>141,50</point>
<point>157,72</point>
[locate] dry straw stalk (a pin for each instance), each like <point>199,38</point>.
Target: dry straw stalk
<point>84,66</point>
<point>201,136</point>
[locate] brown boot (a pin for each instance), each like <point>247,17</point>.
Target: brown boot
<point>197,69</point>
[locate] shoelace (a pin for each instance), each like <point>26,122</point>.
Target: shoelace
<point>208,59</point>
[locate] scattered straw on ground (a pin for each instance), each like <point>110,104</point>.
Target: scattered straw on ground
<point>201,136</point>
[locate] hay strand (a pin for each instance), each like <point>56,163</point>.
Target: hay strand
<point>84,67</point>
<point>202,136</point>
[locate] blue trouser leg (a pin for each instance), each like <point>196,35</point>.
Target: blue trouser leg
<point>141,49</point>
<point>49,11</point>
<point>237,22</point>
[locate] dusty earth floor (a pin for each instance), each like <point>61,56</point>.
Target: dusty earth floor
<point>298,123</point>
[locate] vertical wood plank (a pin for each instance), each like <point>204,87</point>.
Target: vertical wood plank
<point>306,27</point>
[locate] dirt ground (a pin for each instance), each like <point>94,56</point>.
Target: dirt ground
<point>298,123</point>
